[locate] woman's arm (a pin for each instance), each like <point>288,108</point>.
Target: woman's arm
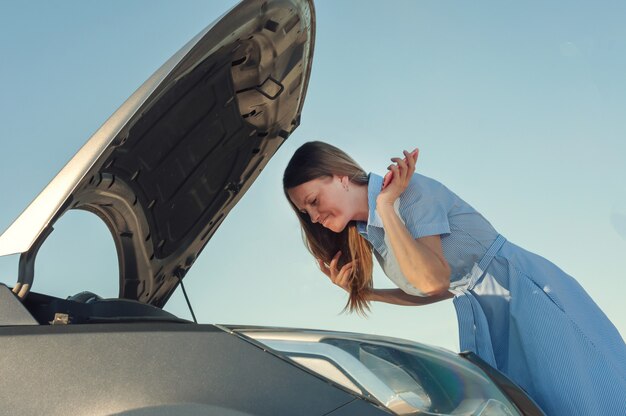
<point>393,296</point>
<point>398,297</point>
<point>421,260</point>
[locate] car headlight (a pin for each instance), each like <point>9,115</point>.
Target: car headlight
<point>405,378</point>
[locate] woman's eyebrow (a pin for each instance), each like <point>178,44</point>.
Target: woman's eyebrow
<point>304,201</point>
<point>295,203</point>
<point>306,198</point>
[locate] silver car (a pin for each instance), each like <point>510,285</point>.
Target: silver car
<point>163,172</point>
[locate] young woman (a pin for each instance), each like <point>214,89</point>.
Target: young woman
<point>516,310</point>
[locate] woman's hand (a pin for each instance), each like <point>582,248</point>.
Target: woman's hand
<point>339,277</point>
<point>402,171</point>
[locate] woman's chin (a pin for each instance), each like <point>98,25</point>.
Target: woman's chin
<point>336,228</point>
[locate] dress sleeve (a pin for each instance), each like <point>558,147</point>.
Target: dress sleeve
<point>424,209</point>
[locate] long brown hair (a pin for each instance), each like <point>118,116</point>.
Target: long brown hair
<point>315,160</point>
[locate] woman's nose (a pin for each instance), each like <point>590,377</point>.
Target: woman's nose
<point>315,216</point>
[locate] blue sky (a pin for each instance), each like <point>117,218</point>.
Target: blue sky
<point>518,107</point>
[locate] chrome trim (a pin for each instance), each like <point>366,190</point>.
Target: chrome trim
<point>356,371</point>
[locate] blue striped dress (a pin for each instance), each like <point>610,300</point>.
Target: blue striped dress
<point>516,310</point>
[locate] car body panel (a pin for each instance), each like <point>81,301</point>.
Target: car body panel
<point>115,368</point>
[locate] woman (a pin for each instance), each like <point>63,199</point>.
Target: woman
<point>516,310</point>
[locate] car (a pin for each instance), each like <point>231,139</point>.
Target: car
<point>163,172</point>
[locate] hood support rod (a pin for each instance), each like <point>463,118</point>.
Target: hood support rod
<point>180,280</point>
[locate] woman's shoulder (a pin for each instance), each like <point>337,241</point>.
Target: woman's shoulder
<point>425,188</point>
<point>426,194</point>
<point>425,207</point>
<point>425,180</point>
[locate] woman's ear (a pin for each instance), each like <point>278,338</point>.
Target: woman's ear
<point>344,181</point>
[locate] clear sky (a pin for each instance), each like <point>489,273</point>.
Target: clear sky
<point>518,107</point>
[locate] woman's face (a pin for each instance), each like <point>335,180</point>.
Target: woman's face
<point>327,201</point>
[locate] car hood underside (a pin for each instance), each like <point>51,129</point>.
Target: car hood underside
<point>167,167</point>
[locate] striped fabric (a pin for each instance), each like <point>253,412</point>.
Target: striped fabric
<point>516,310</point>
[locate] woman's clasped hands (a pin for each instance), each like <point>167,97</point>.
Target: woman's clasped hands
<point>398,177</point>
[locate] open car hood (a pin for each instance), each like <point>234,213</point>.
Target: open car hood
<point>166,168</point>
